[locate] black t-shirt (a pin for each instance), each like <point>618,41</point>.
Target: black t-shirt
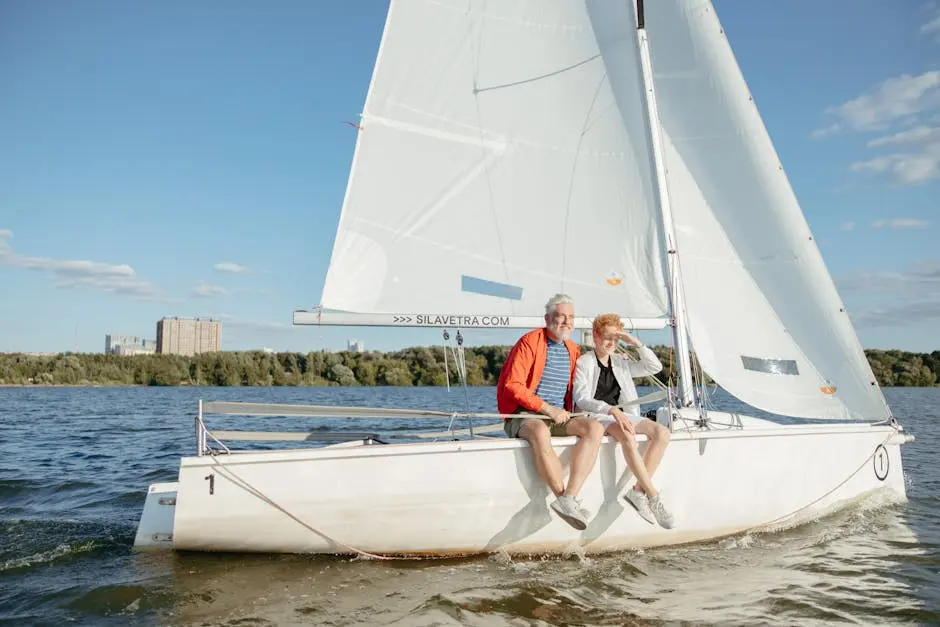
<point>608,390</point>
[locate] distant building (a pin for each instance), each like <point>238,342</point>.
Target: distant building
<point>355,346</point>
<point>128,345</point>
<point>188,336</point>
<point>111,342</point>
<point>587,337</point>
<point>147,347</point>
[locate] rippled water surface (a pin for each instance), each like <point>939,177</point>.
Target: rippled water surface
<point>75,464</point>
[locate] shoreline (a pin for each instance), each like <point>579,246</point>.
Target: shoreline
<point>422,366</point>
<point>84,385</point>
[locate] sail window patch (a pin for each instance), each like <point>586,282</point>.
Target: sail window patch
<point>770,366</point>
<point>490,288</point>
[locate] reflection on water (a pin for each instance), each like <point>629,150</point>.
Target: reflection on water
<point>67,523</point>
<point>858,565</point>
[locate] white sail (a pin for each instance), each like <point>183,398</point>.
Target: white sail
<point>764,316</point>
<point>503,156</point>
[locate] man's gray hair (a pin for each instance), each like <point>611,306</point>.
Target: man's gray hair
<point>557,299</point>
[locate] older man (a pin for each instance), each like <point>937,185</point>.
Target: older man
<point>536,381</point>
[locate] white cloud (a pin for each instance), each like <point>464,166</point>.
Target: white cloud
<point>234,268</point>
<point>69,274</point>
<point>904,169</point>
<point>900,314</point>
<point>256,325</point>
<point>909,297</point>
<point>899,102</point>
<point>207,290</point>
<point>925,271</point>
<point>916,162</point>
<point>895,99</point>
<point>871,281</point>
<point>912,296</point>
<point>231,321</point>
<point>826,131</point>
<point>847,226</point>
<point>932,26</point>
<point>921,277</point>
<point>918,135</point>
<point>901,223</point>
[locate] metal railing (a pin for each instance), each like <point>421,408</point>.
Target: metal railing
<point>336,412</point>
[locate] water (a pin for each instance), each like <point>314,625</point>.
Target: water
<point>75,463</point>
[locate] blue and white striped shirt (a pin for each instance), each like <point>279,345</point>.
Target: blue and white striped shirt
<point>554,383</point>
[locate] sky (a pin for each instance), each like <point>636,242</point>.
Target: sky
<point>190,159</point>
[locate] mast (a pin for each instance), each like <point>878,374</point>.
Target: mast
<point>680,333</point>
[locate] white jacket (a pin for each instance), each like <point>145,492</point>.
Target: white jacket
<point>587,372</point>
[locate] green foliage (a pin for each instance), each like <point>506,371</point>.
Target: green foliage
<point>343,375</point>
<point>904,369</point>
<point>411,366</point>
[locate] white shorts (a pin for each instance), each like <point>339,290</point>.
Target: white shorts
<point>607,419</point>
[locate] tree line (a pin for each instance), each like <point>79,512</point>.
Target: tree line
<point>424,366</point>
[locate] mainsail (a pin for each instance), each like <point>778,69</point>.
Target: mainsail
<point>503,157</point>
<point>764,316</point>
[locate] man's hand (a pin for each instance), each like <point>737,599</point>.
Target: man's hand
<point>623,420</point>
<point>558,415</point>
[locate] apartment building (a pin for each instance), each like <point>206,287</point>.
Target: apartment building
<point>188,336</point>
<point>115,344</point>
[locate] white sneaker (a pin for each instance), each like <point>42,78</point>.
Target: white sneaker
<point>570,510</point>
<point>663,517</point>
<point>641,504</point>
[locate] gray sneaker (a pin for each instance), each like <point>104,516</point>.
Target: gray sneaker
<point>641,504</point>
<point>663,517</point>
<point>570,510</point>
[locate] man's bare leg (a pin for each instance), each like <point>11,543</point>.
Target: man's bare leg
<point>631,454</point>
<point>537,434</point>
<point>584,455</point>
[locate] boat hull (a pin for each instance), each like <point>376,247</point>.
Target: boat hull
<point>483,495</point>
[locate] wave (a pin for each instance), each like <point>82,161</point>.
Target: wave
<point>45,557</point>
<point>27,543</point>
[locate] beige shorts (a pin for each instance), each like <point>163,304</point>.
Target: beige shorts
<point>512,425</point>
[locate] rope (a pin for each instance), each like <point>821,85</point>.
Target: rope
<point>811,503</point>
<point>446,370</point>
<point>232,476</point>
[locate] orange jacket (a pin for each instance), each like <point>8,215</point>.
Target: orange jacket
<point>523,370</point>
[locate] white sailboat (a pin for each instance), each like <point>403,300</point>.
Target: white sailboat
<point>510,150</point>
